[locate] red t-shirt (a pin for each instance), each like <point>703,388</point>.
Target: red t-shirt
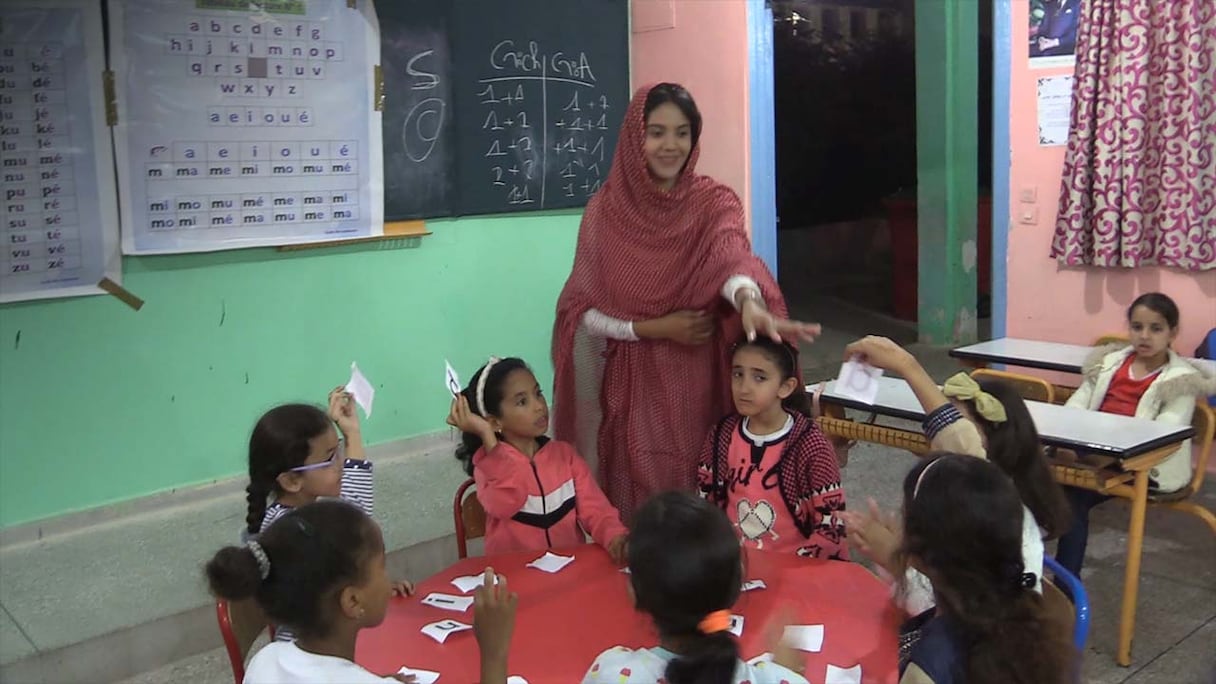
<point>1123,394</point>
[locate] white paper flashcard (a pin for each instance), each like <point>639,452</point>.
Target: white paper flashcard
<point>467,583</point>
<point>451,380</point>
<point>361,389</point>
<point>736,625</point>
<point>551,562</point>
<point>516,679</point>
<point>858,380</point>
<point>420,676</point>
<point>448,601</point>
<point>841,675</point>
<point>754,584</point>
<point>804,637</point>
<point>439,631</point>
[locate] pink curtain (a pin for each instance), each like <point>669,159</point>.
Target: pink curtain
<point>1139,185</point>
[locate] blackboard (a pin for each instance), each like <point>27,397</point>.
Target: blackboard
<point>418,128</point>
<point>532,95</point>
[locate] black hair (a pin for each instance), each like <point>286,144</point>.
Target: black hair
<point>315,551</point>
<point>1159,304</point>
<point>679,96</point>
<point>1015,448</point>
<point>279,443</point>
<point>492,394</point>
<point>963,525</point>
<point>684,563</point>
<point>785,357</point>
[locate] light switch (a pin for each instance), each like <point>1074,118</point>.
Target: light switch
<point>1029,194</point>
<point>1030,216</point>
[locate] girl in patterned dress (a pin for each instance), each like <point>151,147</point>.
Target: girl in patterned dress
<point>768,465</point>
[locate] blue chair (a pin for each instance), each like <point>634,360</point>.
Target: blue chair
<point>1073,588</point>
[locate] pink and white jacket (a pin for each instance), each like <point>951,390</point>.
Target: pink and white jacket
<point>548,501</point>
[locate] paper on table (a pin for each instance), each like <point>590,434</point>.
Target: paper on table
<point>448,601</point>
<point>551,562</point>
<point>840,675</point>
<point>450,379</point>
<point>421,676</point>
<point>439,631</point>
<point>467,583</point>
<point>361,390</point>
<point>736,625</point>
<point>858,380</point>
<point>804,637</point>
<point>754,584</point>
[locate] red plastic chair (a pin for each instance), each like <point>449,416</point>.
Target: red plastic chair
<point>240,624</point>
<point>468,517</point>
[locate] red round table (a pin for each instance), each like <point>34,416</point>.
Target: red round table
<point>564,620</point>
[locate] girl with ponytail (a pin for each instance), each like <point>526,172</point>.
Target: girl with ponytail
<point>769,455</point>
<point>685,572</point>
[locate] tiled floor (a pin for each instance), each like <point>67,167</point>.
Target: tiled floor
<point>1176,623</point>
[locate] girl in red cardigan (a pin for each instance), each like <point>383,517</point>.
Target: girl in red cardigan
<point>768,465</point>
<point>538,493</point>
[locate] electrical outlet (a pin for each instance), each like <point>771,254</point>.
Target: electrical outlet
<point>1029,194</point>
<point>1030,216</point>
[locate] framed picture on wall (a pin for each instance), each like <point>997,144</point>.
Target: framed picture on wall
<point>1053,32</point>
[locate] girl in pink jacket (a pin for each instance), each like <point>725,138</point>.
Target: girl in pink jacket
<point>538,493</point>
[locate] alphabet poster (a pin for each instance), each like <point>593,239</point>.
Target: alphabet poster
<point>245,123</point>
<point>59,218</point>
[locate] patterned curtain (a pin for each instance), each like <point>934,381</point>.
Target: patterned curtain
<point>1139,185</point>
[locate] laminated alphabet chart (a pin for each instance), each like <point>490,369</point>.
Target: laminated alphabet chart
<point>245,123</point>
<point>59,217</point>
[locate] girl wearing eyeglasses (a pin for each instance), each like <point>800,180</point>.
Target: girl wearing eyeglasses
<point>296,457</point>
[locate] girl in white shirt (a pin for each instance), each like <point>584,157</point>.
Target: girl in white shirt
<point>320,568</point>
<point>686,573</point>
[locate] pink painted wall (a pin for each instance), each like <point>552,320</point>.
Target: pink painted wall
<point>703,46</point>
<point>1046,301</point>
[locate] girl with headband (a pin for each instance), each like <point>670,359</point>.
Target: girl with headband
<point>538,493</point>
<point>685,572</point>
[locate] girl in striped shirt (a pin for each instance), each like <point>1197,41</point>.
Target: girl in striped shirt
<point>297,457</point>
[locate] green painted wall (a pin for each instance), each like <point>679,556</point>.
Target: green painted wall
<point>100,403</point>
<point>946,161</point>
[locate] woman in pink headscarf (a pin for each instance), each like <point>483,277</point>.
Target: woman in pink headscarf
<point>664,282</point>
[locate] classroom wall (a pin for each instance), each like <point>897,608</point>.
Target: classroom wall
<point>100,403</point>
<point>703,46</point>
<point>1044,300</point>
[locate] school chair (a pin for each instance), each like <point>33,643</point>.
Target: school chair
<point>240,624</point>
<point>1204,422</point>
<point>469,518</point>
<point>1027,386</point>
<point>1112,338</point>
<point>1072,594</point>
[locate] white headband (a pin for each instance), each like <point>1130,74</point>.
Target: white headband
<point>920,478</point>
<point>481,385</point>
<point>259,554</point>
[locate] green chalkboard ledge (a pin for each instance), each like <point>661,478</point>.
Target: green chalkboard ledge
<point>393,230</point>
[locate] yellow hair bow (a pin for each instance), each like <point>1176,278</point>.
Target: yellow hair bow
<point>961,386</point>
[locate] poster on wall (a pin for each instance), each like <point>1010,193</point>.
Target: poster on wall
<point>59,217</point>
<point>1054,95</point>
<point>245,123</point>
<point>1053,32</point>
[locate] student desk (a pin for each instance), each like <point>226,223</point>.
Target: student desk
<point>1137,444</point>
<point>1052,356</point>
<point>564,620</point>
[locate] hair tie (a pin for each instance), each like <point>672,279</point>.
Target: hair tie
<point>481,385</point>
<point>961,386</point>
<point>259,554</point>
<point>717,621</point>
<point>1027,580</point>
